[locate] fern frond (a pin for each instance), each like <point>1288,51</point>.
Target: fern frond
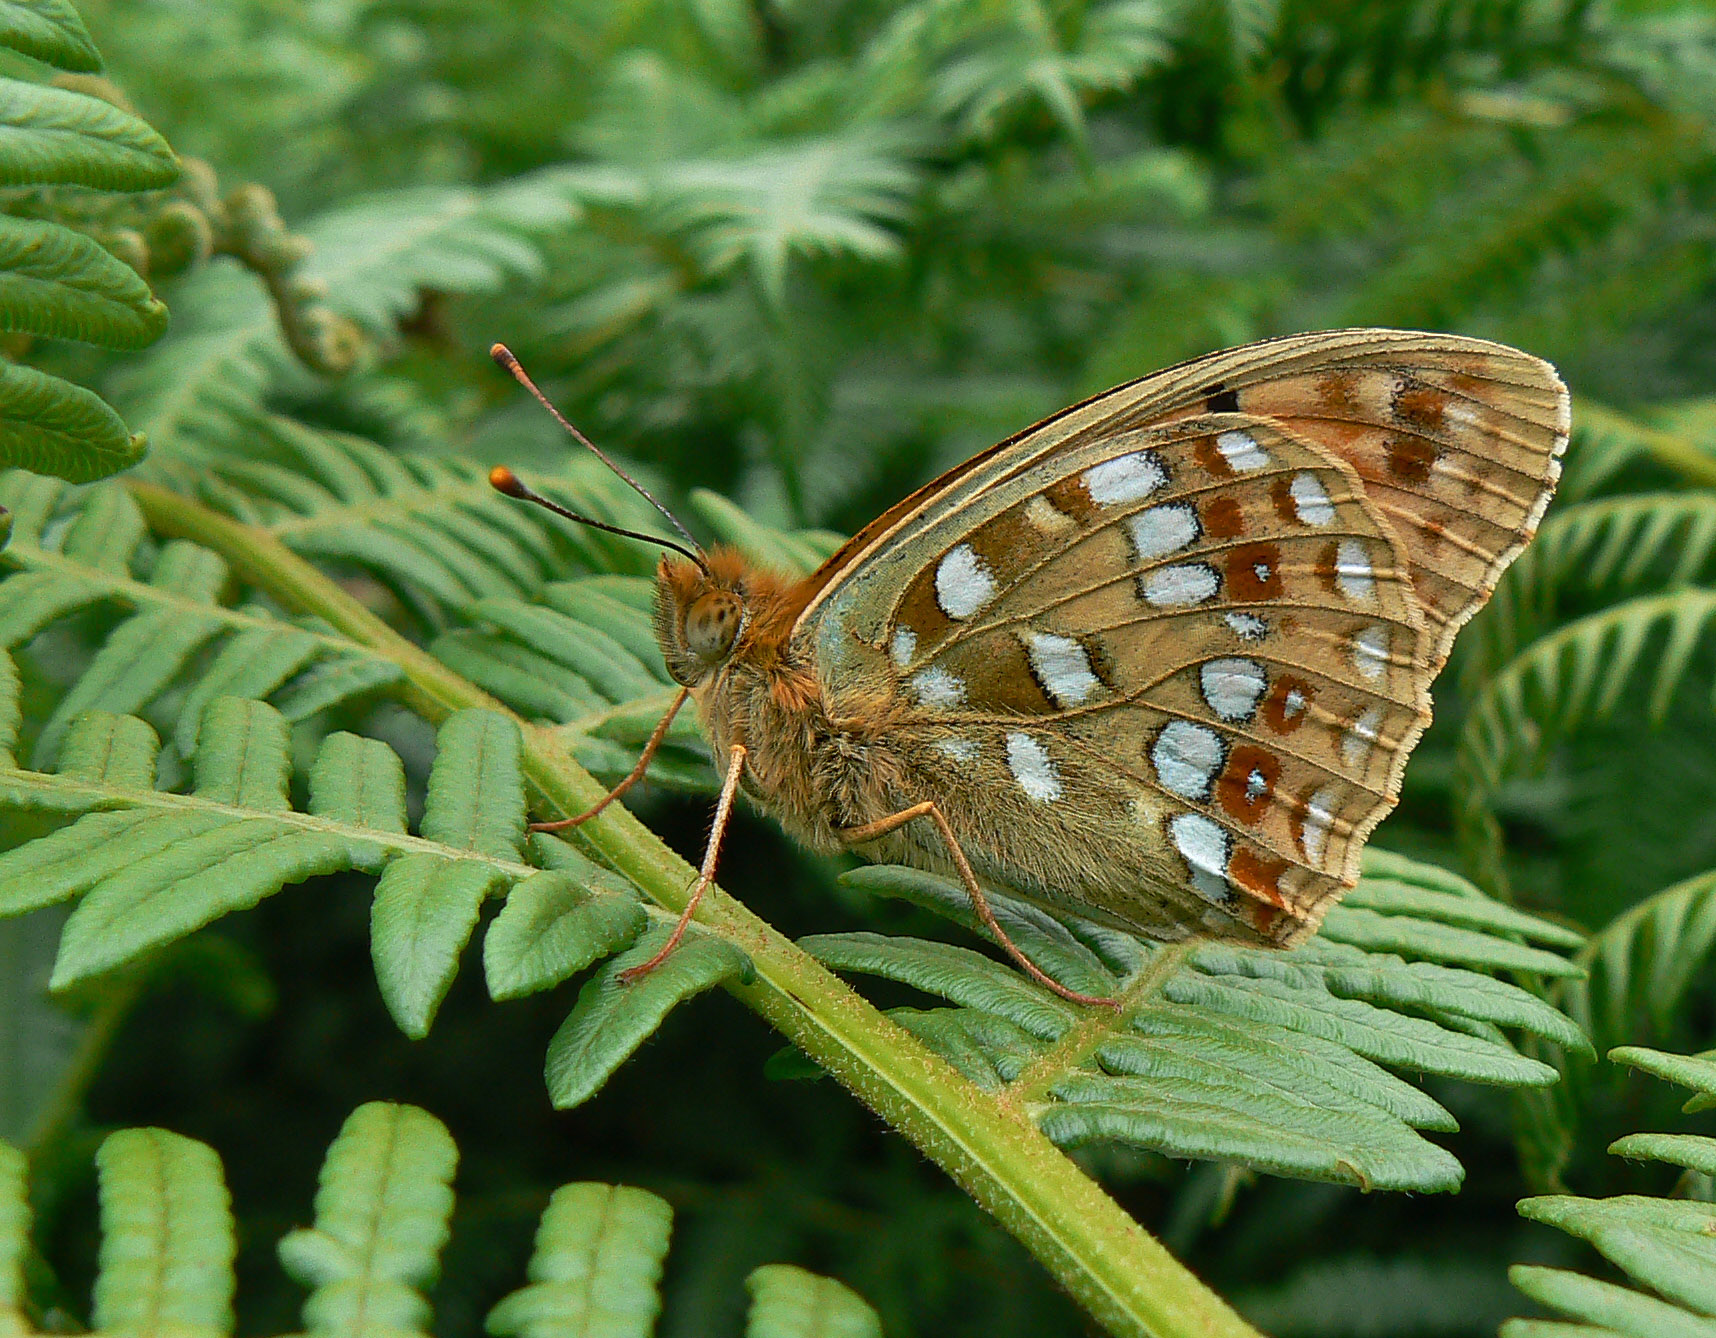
<point>788,1302</point>
<point>1609,547</point>
<point>1642,963</point>
<point>55,281</point>
<point>71,552</point>
<point>832,196</point>
<point>429,527</point>
<point>1578,673</point>
<point>383,1205</point>
<point>1663,1244</point>
<point>1607,441</point>
<point>1397,978</point>
<point>591,1234</point>
<point>49,31</point>
<point>1037,53</point>
<point>167,1238</point>
<point>376,254</point>
<point>199,390</point>
<point>14,1240</point>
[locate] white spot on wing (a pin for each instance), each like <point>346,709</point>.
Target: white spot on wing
<point>1062,667</point>
<point>1126,478</point>
<point>1353,571</point>
<point>1461,414</point>
<point>960,750</point>
<point>1186,757</point>
<point>1247,626</point>
<point>1310,501</point>
<point>1162,530</point>
<point>963,584</point>
<point>1187,583</point>
<point>937,689</point>
<point>1370,651</point>
<point>1232,686</point>
<point>1029,762</point>
<point>1319,817</point>
<point>1204,846</point>
<point>1241,451</point>
<point>905,645</point>
<point>1361,736</point>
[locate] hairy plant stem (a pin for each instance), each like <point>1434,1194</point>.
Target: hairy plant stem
<point>1115,1269</point>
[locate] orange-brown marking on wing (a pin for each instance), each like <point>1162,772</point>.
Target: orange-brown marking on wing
<point>1247,782</point>
<point>1420,407</point>
<point>1288,701</point>
<point>1262,878</point>
<point>1254,572</point>
<point>1210,459</point>
<point>1410,457</point>
<point>1223,518</point>
<point>1070,497</point>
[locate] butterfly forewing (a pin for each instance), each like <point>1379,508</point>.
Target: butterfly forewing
<point>1162,657</point>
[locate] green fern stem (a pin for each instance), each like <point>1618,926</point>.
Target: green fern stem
<point>1119,1272</point>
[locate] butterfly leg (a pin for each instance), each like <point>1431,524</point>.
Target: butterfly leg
<point>631,780</point>
<point>705,875</point>
<point>870,831</point>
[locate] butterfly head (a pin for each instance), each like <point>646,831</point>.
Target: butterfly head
<point>702,613</point>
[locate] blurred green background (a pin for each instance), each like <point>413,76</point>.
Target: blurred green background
<point>811,254</point>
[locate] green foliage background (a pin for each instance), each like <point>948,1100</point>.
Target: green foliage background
<point>807,255</point>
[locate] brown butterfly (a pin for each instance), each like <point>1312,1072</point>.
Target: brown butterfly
<point>1158,660</point>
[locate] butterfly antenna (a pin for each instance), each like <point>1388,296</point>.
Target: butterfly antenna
<point>502,479</point>
<point>504,356</point>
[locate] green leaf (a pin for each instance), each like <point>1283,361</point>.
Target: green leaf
<point>14,1235</point>
<point>1615,1309</point>
<point>1685,1150</point>
<point>51,32</point>
<point>1695,1071</point>
<point>425,909</point>
<point>108,749</point>
<point>596,1269</point>
<point>611,1020</point>
<point>56,136</point>
<point>476,789</point>
<point>11,710</point>
<point>60,283</point>
<point>1274,1060</point>
<point>382,1216</point>
<point>53,427</point>
<point>358,781</point>
<point>553,926</point>
<point>788,1302</point>
<point>1666,1245</point>
<point>251,664</point>
<point>168,1242</point>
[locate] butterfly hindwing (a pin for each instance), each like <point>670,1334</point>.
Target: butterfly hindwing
<point>1162,657</point>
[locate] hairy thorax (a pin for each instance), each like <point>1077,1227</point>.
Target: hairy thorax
<point>817,773</point>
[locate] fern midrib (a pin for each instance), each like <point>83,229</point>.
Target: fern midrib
<point>1071,1051</point>
<point>1126,1278</point>
<point>114,798</point>
<point>406,504</point>
<point>140,595</point>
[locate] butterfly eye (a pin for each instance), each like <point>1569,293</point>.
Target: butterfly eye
<point>711,624</point>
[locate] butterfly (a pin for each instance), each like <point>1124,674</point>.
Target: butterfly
<point>1158,661</point>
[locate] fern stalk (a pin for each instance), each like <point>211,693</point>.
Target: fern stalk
<point>1115,1269</point>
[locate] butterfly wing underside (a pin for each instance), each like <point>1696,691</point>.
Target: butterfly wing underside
<point>1161,658</point>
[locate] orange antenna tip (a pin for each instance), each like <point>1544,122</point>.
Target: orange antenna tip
<point>503,355</point>
<point>502,479</point>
